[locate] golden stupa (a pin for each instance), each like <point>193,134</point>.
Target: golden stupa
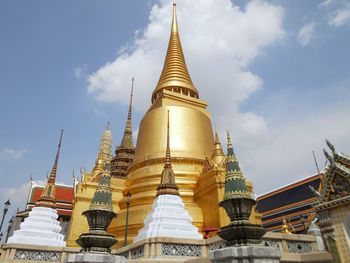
<point>197,158</point>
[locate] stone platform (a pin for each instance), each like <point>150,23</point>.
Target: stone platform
<point>246,254</point>
<point>94,258</point>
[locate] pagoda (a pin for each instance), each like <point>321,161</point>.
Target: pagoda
<point>41,227</point>
<point>197,158</point>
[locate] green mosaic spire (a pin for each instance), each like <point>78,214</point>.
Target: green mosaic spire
<point>235,185</point>
<point>102,199</point>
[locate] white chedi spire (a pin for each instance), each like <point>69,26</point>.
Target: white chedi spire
<point>39,228</point>
<point>168,217</point>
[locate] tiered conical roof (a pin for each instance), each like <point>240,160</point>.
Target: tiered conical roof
<point>102,199</point>
<point>125,152</point>
<point>235,185</point>
<point>48,196</point>
<point>175,75</point>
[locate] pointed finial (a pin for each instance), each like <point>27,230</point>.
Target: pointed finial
<point>104,153</point>
<point>167,152</point>
<point>218,156</point>
<point>54,168</point>
<point>127,142</point>
<point>48,196</point>
<point>108,126</point>
<point>175,73</point>
<point>217,138</point>
<point>328,157</point>
<point>131,95</point>
<point>330,145</point>
<point>174,20</point>
<point>167,182</point>
<point>229,143</point>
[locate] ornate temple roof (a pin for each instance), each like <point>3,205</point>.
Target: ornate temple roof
<point>294,202</point>
<point>64,198</point>
<point>336,182</point>
<point>235,185</point>
<point>175,75</point>
<point>339,156</point>
<point>124,153</point>
<point>167,182</point>
<point>48,195</point>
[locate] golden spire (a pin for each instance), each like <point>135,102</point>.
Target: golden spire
<point>127,137</point>
<point>218,155</point>
<point>124,153</point>
<point>175,75</point>
<point>104,152</point>
<point>167,182</point>
<point>48,196</point>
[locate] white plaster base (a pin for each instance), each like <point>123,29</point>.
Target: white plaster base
<point>94,258</point>
<point>246,254</point>
<point>39,228</point>
<point>168,218</point>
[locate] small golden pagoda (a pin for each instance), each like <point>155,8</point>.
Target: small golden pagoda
<point>197,159</point>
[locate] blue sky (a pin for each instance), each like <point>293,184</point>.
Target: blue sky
<point>68,64</point>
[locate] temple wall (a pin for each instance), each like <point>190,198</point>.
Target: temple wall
<point>294,248</point>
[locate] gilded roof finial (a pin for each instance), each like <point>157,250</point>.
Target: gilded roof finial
<point>167,182</point>
<point>48,196</point>
<point>175,73</point>
<point>218,155</point>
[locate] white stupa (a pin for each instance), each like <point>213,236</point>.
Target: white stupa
<point>41,226</point>
<point>168,217</point>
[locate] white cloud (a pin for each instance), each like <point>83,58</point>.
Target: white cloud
<point>338,12</point>
<point>325,3</point>
<point>12,154</point>
<point>80,72</point>
<point>306,33</point>
<point>98,112</point>
<point>285,154</point>
<point>233,39</point>
<point>18,196</point>
<point>135,133</point>
<point>340,17</point>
